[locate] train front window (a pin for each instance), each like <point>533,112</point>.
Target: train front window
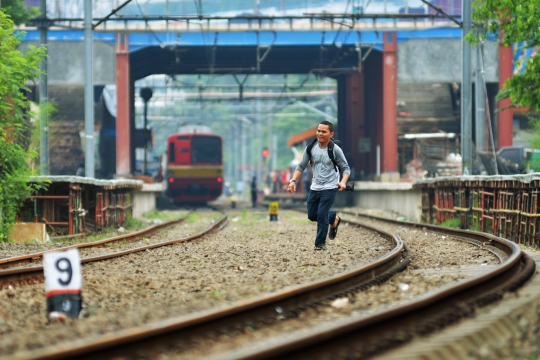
<point>206,149</point>
<point>171,152</point>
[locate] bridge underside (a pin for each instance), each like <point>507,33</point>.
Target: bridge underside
<point>243,60</point>
<point>366,119</point>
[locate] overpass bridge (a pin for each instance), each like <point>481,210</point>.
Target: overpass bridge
<point>367,54</point>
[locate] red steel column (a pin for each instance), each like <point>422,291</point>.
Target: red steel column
<point>506,67</point>
<point>389,153</point>
<point>123,145</point>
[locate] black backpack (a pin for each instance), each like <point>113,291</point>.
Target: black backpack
<point>330,151</point>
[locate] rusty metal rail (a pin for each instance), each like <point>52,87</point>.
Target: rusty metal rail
<point>364,336</point>
<point>131,342</point>
<point>34,274</point>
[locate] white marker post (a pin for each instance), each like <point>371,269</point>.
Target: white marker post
<point>63,283</point>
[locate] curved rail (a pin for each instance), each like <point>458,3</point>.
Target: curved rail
<point>134,236</point>
<point>129,341</point>
<point>388,328</point>
<point>34,274</point>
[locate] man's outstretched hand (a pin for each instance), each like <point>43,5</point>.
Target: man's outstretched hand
<point>292,187</point>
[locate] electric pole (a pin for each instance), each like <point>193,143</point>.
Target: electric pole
<point>466,93</point>
<point>88,91</point>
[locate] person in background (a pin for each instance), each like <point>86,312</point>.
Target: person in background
<point>324,184</point>
<point>80,170</point>
<point>283,180</point>
<point>253,187</point>
<point>274,178</point>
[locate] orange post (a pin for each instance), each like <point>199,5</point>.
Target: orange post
<point>389,154</point>
<point>506,69</point>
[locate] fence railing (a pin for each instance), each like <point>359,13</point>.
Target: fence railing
<point>506,206</point>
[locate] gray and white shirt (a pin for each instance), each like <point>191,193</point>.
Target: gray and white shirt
<point>325,176</point>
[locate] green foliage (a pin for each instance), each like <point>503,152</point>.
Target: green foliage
<point>165,215</point>
<point>18,11</point>
<point>133,224</point>
<point>193,217</point>
<point>15,69</point>
<point>451,223</point>
<point>518,20</point>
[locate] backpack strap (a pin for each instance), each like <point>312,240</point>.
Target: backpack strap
<point>308,149</point>
<point>331,154</point>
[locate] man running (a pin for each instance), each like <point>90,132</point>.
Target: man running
<point>324,185</point>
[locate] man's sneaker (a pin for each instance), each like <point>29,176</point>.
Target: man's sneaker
<point>332,232</point>
<point>320,247</point>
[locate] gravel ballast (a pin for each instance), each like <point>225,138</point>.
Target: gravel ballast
<point>431,251</point>
<point>251,256</point>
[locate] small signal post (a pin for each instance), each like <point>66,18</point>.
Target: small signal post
<point>273,208</point>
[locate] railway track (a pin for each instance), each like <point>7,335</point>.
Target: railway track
<point>377,330</point>
<point>256,312</point>
<point>34,274</point>
<point>363,336</point>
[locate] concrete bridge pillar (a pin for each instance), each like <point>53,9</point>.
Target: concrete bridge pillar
<point>505,123</point>
<point>123,107</point>
<point>388,128</point>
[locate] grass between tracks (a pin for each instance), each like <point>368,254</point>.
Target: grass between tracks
<point>130,225</point>
<point>455,224</point>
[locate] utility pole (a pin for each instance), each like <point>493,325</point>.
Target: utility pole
<point>146,95</point>
<point>480,100</point>
<point>252,151</point>
<point>88,91</point>
<point>244,157</point>
<point>270,142</point>
<point>259,161</point>
<point>43,94</point>
<point>466,93</point>
<point>274,151</point>
<point>237,145</point>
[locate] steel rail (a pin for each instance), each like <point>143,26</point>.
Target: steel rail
<point>134,236</point>
<point>34,274</point>
<point>362,336</point>
<point>130,341</point>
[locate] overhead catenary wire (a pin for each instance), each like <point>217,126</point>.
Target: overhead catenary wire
<point>148,26</point>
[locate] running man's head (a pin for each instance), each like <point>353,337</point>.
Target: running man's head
<point>325,131</point>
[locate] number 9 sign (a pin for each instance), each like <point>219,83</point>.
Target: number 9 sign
<point>63,282</point>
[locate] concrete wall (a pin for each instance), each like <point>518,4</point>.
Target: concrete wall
<point>144,200</point>
<point>66,62</point>
<point>439,60</point>
<point>397,197</point>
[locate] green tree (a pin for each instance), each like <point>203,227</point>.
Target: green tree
<point>16,69</point>
<point>518,20</point>
<point>17,10</point>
